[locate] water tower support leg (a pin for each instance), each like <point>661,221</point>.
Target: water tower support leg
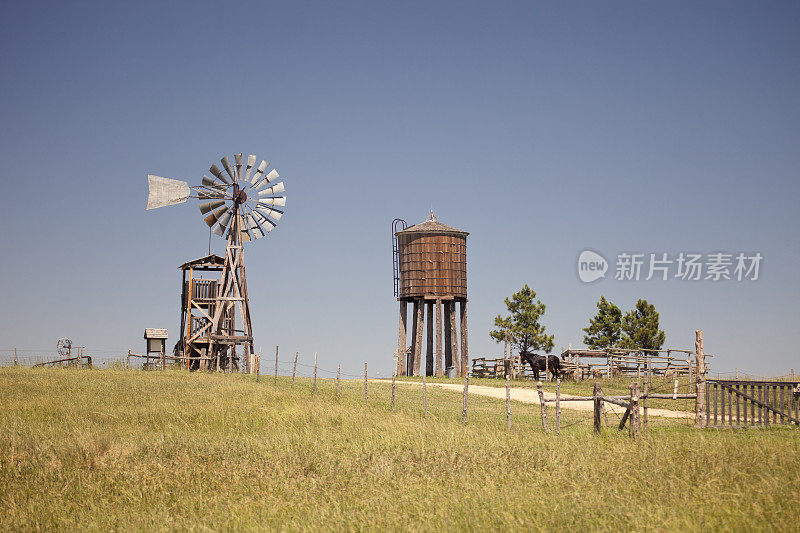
<point>414,320</point>
<point>429,343</point>
<point>464,339</point>
<point>401,339</point>
<point>454,336</point>
<point>448,342</point>
<point>419,307</point>
<point>438,338</point>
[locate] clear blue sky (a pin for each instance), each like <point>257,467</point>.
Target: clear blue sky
<point>541,128</point>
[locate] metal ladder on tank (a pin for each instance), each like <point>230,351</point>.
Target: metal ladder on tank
<point>398,224</point>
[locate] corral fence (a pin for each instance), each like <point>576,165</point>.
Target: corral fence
<point>740,403</point>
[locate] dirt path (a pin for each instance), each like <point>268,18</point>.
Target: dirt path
<point>526,395</point>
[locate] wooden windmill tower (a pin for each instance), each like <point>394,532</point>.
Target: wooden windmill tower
<point>431,274</point>
<point>239,208</point>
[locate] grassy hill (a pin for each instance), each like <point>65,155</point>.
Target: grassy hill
<point>134,450</point>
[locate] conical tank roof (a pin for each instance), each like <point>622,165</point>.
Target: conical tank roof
<point>432,225</point>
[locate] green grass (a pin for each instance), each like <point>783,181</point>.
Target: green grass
<point>117,450</point>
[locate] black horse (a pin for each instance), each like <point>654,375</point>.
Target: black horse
<point>542,363</point>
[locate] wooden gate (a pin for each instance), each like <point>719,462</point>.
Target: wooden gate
<point>738,403</point>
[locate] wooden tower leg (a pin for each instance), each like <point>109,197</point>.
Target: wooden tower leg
<point>401,339</point>
<point>429,343</point>
<point>454,338</point>
<point>438,338</point>
<point>414,321</point>
<point>419,305</point>
<point>232,294</point>
<point>464,339</point>
<point>448,343</point>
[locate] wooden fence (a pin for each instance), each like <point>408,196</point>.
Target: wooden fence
<point>739,403</point>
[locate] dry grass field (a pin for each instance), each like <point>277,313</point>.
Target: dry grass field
<point>132,450</point>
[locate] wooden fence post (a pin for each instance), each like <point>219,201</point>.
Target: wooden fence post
<point>314,389</point>
<point>644,407</point>
<point>597,408</point>
<point>393,378</point>
<point>558,406</point>
<point>424,395</point>
<point>276,365</point>
<point>338,380</point>
<point>633,425</point>
<point>542,405</point>
<point>701,417</point>
<point>464,407</point>
<point>128,361</point>
<point>16,363</point>
<point>294,370</point>
<point>366,398</point>
<point>508,400</point>
<point>258,365</point>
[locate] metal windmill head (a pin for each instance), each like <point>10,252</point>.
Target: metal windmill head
<point>241,197</point>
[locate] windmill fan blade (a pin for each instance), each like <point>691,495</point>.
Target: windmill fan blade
<point>257,231</point>
<point>278,200</point>
<point>210,206</point>
<point>264,221</point>
<point>211,182</point>
<point>219,230</point>
<point>213,217</point>
<point>251,162</point>
<point>164,191</point>
<point>273,174</point>
<point>260,170</point>
<point>274,214</point>
<point>238,158</point>
<point>275,189</point>
<point>218,174</point>
<point>227,164</point>
<point>225,219</point>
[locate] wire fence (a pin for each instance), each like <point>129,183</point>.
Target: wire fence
<point>470,399</point>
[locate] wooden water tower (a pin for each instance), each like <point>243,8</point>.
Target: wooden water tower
<point>431,273</point>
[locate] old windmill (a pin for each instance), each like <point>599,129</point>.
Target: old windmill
<point>240,204</point>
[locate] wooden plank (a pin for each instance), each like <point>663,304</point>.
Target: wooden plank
<point>783,420</point>
<point>775,404</point>
<point>730,407</point>
<point>738,405</point>
<point>716,394</point>
<point>752,406</point>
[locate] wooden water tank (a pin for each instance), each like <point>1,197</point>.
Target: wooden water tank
<point>433,261</point>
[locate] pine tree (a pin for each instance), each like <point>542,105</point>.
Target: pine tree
<point>604,329</point>
<point>640,328</point>
<point>523,323</point>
